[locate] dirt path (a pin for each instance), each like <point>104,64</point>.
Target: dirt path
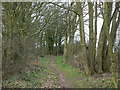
<point>62,80</point>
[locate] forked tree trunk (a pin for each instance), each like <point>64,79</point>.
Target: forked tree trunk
<point>102,41</point>
<point>114,78</point>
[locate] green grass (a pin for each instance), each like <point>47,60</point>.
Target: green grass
<point>79,79</point>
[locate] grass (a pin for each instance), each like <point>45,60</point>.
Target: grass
<point>79,79</point>
<point>32,79</point>
<point>43,76</point>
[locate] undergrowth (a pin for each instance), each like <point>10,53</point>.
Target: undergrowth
<point>40,76</point>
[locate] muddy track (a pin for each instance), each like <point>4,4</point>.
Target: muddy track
<point>62,80</point>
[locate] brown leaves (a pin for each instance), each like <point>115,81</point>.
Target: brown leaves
<point>36,63</point>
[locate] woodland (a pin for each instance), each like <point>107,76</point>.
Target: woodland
<point>60,44</point>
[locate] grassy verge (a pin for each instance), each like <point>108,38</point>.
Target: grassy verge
<point>40,76</point>
<point>79,79</point>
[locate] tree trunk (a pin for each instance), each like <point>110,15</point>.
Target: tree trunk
<point>82,36</point>
<point>73,32</point>
<point>65,43</point>
<point>114,78</point>
<point>59,43</point>
<point>91,46</point>
<point>95,33</point>
<point>102,41</point>
<point>65,48</point>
